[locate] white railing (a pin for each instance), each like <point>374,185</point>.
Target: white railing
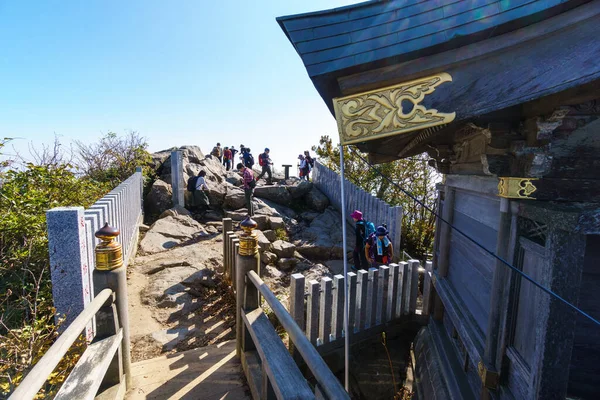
<point>373,209</point>
<point>377,296</point>
<point>71,243</point>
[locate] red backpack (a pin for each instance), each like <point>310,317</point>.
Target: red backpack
<point>261,160</point>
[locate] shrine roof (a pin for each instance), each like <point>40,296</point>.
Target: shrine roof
<point>373,34</point>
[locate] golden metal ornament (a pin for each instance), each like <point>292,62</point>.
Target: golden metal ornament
<point>248,240</point>
<point>109,253</point>
<point>488,378</point>
<point>379,113</point>
<point>516,188</point>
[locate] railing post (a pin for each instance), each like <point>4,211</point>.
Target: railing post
<point>247,296</point>
<point>110,273</point>
<point>69,267</point>
<point>227,227</point>
<point>177,178</point>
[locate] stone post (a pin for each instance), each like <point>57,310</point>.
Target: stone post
<point>247,296</point>
<point>287,171</point>
<point>177,178</point>
<point>110,273</point>
<point>69,269</point>
<point>139,169</point>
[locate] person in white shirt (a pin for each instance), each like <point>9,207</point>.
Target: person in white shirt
<point>200,198</point>
<point>304,168</point>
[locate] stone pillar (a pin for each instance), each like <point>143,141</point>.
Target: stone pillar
<point>177,178</point>
<point>69,269</point>
<point>139,169</point>
<point>287,171</point>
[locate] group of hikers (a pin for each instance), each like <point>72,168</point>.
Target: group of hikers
<point>198,186</point>
<point>373,246</point>
<point>227,156</point>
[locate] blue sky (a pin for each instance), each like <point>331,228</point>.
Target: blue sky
<point>179,72</point>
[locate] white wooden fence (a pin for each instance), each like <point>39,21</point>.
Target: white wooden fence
<point>373,209</point>
<point>377,296</point>
<point>71,243</point>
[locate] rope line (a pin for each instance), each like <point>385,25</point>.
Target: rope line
<point>515,269</point>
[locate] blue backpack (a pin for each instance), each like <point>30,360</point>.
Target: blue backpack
<point>369,229</point>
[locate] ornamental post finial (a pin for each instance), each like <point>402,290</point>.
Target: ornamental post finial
<point>109,252</point>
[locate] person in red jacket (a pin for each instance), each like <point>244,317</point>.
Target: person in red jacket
<point>227,158</point>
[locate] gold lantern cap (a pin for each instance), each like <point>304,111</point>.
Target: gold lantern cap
<point>109,252</point>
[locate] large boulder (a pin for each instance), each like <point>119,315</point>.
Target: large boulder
<point>270,234</point>
<point>300,188</point>
<point>234,199</point>
<point>160,198</point>
<point>172,212</point>
<point>191,154</point>
<point>316,200</point>
<point>322,239</point>
<point>233,177</point>
<point>280,210</point>
<point>283,249</point>
<point>276,223</point>
<point>262,221</point>
<point>276,193</point>
<point>169,232</point>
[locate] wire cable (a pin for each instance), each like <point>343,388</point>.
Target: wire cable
<point>515,269</point>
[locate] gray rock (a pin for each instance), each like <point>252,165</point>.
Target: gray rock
<point>267,257</point>
<point>144,228</point>
<point>273,272</point>
<point>276,223</point>
<point>283,249</point>
<point>281,210</point>
<point>316,200</point>
<point>237,215</point>
<point>322,240</point>
<point>287,264</point>
<point>200,278</point>
<point>261,208</point>
<point>171,337</point>
<point>159,198</point>
<point>275,193</point>
<point>169,232</point>
<point>263,242</point>
<point>262,221</point>
<point>172,212</point>
<point>192,154</point>
<point>309,216</point>
<point>270,234</point>
<point>234,199</point>
<point>300,188</point>
<point>233,177</point>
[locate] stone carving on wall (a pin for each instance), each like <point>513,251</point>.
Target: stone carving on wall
<point>389,111</point>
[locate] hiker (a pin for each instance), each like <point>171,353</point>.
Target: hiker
<point>199,186</point>
<point>247,158</point>
<point>233,151</point>
<point>310,161</point>
<point>227,157</point>
<point>249,184</point>
<point>362,234</point>
<point>217,152</point>
<point>378,248</point>
<point>265,162</point>
<point>304,168</point>
<point>242,151</point>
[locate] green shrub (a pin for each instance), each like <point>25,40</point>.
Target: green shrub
<point>281,234</point>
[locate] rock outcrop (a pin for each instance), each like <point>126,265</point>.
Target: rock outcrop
<point>169,232</point>
<point>159,199</point>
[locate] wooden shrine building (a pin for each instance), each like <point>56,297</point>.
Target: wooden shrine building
<point>504,97</point>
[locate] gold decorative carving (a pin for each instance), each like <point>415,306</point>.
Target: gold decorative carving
<point>516,188</point>
<point>379,113</point>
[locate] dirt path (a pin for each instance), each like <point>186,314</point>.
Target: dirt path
<point>178,301</point>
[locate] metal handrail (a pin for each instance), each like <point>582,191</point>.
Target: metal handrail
<point>325,378</point>
<point>36,378</point>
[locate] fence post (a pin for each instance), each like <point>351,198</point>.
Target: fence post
<point>227,226</point>
<point>69,268</point>
<point>110,273</point>
<point>247,297</point>
<point>427,282</point>
<point>177,178</point>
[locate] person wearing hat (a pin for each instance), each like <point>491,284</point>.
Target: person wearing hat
<point>304,169</point>
<point>360,260</point>
<point>265,162</point>
<point>378,248</point>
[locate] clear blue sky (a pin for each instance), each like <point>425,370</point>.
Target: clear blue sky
<point>179,72</point>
